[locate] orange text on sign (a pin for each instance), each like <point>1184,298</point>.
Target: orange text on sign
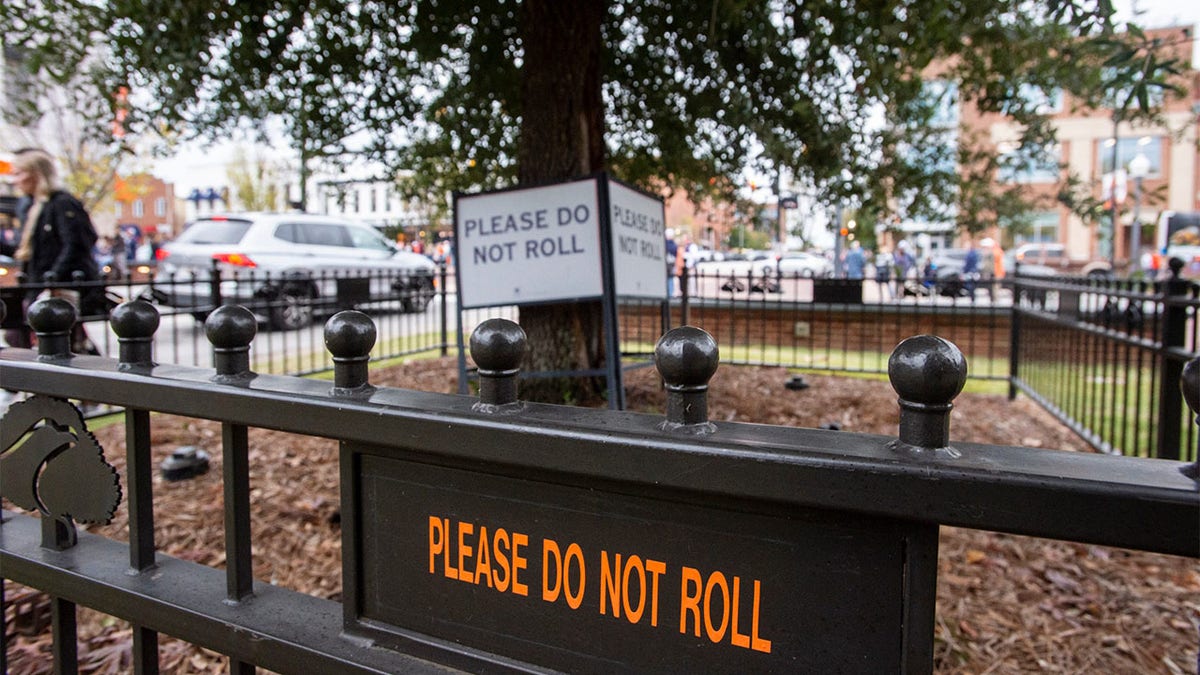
<point>476,556</point>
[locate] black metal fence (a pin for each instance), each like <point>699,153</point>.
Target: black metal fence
<point>752,530</point>
<point>1097,353</point>
<point>841,325</point>
<point>1104,356</point>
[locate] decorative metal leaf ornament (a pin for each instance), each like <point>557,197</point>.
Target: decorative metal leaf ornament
<point>51,463</point>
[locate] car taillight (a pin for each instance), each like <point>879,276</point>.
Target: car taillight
<point>161,254</point>
<point>235,259</point>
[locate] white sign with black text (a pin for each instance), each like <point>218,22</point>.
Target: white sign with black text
<point>528,246</point>
<point>638,243</point>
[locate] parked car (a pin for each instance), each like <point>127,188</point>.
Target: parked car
<point>1054,256</point>
<point>795,264</point>
<point>280,265</point>
<point>734,268</point>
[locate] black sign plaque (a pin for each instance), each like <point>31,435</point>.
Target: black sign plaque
<point>590,580</point>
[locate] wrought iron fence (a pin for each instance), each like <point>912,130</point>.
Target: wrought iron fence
<point>765,317</point>
<point>785,511</point>
<point>1058,339</point>
<point>1104,356</point>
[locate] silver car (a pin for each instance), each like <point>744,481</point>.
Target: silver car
<point>283,266</point>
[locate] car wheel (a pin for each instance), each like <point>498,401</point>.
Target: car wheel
<point>418,297</point>
<point>292,309</point>
<point>806,273</point>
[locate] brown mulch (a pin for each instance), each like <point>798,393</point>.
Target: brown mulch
<point>1006,604</point>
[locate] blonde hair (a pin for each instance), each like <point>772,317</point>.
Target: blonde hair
<point>41,164</point>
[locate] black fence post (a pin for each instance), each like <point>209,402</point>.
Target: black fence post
<point>498,347</point>
<point>928,372</point>
<point>1014,340</point>
<point>231,329</point>
<point>684,296</point>
<point>349,337</point>
<point>135,323</point>
<point>52,320</point>
<point>687,357</point>
<point>214,284</point>
<point>1190,384</point>
<point>444,312</point>
<point>1174,334</point>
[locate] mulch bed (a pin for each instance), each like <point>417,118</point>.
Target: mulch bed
<point>1005,604</point>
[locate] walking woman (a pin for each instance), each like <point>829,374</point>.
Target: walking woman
<point>56,241</point>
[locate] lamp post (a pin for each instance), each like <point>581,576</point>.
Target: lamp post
<point>1138,168</point>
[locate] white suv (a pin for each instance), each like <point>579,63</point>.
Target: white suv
<point>284,266</point>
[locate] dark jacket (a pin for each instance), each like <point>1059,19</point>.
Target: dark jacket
<point>62,241</point>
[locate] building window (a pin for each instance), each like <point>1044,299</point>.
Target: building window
<point>119,209</point>
<point>374,200</point>
<point>1029,164</point>
<point>1127,149</point>
<point>1042,228</point>
<point>160,207</point>
<point>138,209</point>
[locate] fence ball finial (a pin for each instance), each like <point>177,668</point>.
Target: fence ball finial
<point>350,336</point>
<point>498,347</point>
<point>1190,384</point>
<point>52,320</point>
<point>135,323</point>
<point>230,330</point>
<point>927,372</point>
<point>687,357</point>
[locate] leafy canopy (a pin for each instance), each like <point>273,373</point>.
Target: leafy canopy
<point>695,94</point>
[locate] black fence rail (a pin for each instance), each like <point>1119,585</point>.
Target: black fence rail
<point>614,541</point>
<point>1104,356</point>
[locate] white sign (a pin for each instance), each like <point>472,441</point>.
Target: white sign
<point>638,243</point>
<point>527,246</point>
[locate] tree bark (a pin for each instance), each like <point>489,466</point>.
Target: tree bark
<point>562,137</point>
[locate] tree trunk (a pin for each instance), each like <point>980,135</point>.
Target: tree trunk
<point>562,137</point>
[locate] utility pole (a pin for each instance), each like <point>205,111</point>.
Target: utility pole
<point>1107,239</point>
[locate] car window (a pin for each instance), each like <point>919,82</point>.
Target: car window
<point>323,234</point>
<point>214,232</point>
<point>361,237</point>
<point>288,232</point>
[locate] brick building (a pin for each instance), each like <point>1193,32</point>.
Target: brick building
<point>1088,141</point>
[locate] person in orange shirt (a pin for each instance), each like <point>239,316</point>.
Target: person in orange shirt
<point>993,273</point>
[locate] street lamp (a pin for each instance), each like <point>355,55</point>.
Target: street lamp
<point>1138,168</point>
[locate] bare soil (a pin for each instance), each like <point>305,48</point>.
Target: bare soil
<point>1005,604</point>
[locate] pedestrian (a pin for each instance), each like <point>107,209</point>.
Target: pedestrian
<point>672,251</point>
<point>991,265</point>
<point>905,263</point>
<point>120,263</point>
<point>855,261</point>
<point>883,273</point>
<point>971,269</point>
<point>56,242</point>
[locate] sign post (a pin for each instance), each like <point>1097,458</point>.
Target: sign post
<point>561,243</point>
